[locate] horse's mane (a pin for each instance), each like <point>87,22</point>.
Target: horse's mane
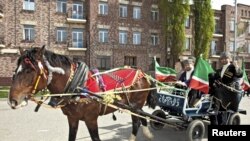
<point>57,59</point>
<point>53,58</point>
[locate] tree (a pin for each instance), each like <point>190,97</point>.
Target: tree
<point>203,27</point>
<point>175,13</point>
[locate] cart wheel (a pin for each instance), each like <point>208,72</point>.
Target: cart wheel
<point>234,119</point>
<point>195,130</point>
<point>157,125</point>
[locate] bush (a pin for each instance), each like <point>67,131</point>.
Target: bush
<point>4,91</point>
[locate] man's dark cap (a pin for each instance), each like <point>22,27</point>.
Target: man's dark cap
<point>225,55</point>
<point>187,61</point>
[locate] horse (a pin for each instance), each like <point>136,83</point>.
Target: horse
<point>39,69</point>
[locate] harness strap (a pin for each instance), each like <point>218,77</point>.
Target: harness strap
<point>80,76</point>
<point>39,77</point>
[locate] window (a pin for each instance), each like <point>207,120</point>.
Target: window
<point>248,50</point>
<point>130,61</point>
<point>29,33</point>
<point>217,26</point>
<point>61,35</point>
<point>77,12</point>
<point>61,6</point>
<point>123,11</point>
<point>154,39</point>
<point>248,27</point>
<point>232,25</point>
<point>103,35</point>
<point>213,47</point>
<point>77,38</point>
<point>29,5</point>
<point>231,46</point>
<point>123,37</point>
<point>103,8</point>
<point>103,62</point>
<point>187,22</point>
<point>136,12</point>
<point>136,38</point>
<point>188,44</point>
<point>155,14</point>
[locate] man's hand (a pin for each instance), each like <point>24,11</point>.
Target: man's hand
<point>181,83</point>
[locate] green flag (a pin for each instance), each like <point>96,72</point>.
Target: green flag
<point>199,80</point>
<point>164,74</point>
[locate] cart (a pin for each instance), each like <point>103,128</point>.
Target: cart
<point>174,107</point>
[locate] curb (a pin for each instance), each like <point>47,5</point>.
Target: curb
<point>3,99</point>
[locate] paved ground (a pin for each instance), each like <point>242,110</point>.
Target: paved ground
<point>51,125</point>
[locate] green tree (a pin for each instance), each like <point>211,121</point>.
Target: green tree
<point>175,13</point>
<point>203,27</point>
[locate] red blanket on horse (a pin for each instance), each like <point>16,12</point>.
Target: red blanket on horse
<point>115,79</point>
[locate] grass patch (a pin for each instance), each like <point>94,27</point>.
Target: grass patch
<point>4,91</point>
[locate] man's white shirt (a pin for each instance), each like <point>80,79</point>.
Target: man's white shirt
<point>188,73</point>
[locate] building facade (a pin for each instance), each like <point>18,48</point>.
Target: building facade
<point>103,33</point>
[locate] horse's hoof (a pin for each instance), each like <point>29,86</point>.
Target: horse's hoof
<point>132,137</point>
<point>147,133</point>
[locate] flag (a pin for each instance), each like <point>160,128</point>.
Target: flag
<point>164,74</point>
<point>245,83</point>
<point>199,80</point>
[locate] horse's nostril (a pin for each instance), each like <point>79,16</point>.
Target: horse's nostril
<point>13,103</point>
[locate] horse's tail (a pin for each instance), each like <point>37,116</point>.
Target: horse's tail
<point>152,99</point>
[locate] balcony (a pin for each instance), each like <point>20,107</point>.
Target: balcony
<point>76,46</point>
<point>76,17</point>
<point>215,53</point>
<point>217,33</point>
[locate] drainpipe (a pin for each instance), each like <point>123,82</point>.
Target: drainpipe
<point>49,25</point>
<point>235,31</point>
<point>15,23</point>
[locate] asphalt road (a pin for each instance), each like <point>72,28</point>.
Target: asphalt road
<point>51,125</point>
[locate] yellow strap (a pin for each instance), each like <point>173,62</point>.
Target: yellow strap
<point>37,81</point>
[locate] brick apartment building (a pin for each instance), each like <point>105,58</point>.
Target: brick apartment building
<point>103,33</point>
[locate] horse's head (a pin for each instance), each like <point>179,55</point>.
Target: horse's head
<point>29,78</point>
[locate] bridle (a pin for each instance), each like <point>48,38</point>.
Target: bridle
<point>42,72</point>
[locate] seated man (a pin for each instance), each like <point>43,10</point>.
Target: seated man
<point>225,87</point>
<point>185,77</point>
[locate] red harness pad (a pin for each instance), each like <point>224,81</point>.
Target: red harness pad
<point>116,79</point>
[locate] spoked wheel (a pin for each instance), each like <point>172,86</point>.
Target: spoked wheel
<point>195,130</point>
<point>234,119</point>
<point>157,125</point>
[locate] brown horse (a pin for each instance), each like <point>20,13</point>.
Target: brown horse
<point>39,69</point>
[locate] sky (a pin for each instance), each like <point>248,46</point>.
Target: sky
<point>216,4</point>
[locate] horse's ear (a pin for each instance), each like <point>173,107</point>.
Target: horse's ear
<point>42,50</point>
<point>21,51</point>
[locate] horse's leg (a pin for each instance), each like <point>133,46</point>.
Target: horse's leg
<point>135,126</point>
<point>146,132</point>
<point>73,127</point>
<point>93,129</point>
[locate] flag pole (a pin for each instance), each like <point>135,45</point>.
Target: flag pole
<point>235,31</point>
